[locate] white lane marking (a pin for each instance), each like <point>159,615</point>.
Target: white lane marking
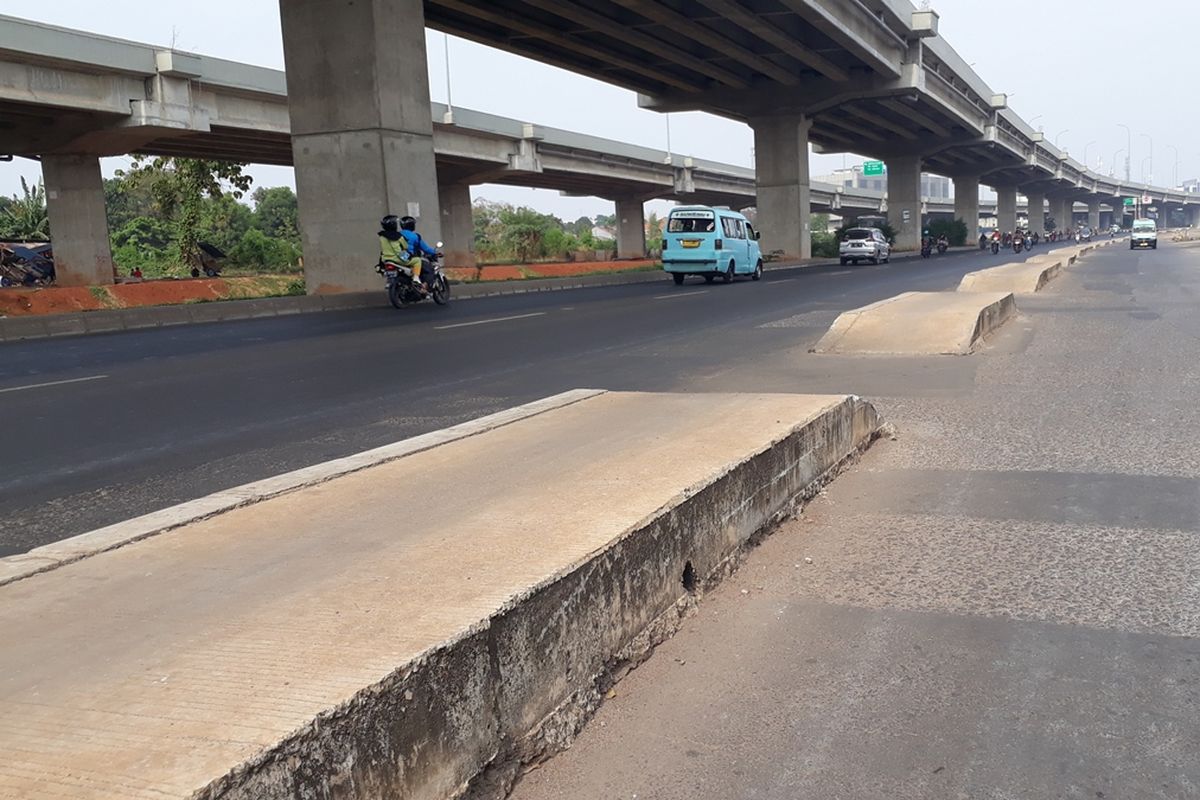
<point>488,321</point>
<point>842,272</point>
<point>678,294</point>
<point>51,383</point>
<point>781,280</point>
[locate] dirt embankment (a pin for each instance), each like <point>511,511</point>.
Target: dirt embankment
<point>15,302</point>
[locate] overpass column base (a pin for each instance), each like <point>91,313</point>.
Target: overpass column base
<point>1061,212</point>
<point>784,204</point>
<point>1006,208</point>
<point>362,139</point>
<point>458,224</point>
<point>78,224</point>
<point>904,200</point>
<point>1037,212</point>
<point>631,229</point>
<point>966,204</point>
<point>1093,214</point>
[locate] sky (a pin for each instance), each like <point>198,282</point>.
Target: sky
<point>1074,71</point>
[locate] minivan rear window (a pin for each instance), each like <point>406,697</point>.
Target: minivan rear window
<point>692,222</point>
<point>858,233</point>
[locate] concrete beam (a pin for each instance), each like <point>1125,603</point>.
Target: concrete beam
<point>787,44</point>
<point>686,26</point>
<point>782,184</point>
<point>546,33</point>
<point>78,224</point>
<point>362,141</point>
<point>855,28</point>
<point>579,14</point>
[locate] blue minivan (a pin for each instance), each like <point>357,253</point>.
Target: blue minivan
<point>702,240</point>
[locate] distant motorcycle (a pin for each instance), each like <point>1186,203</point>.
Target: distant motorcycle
<point>942,245</point>
<point>1018,244</point>
<point>926,248</point>
<point>995,246</point>
<point>403,291</point>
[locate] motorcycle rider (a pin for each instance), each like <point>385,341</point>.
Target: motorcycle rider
<point>416,247</point>
<point>393,246</point>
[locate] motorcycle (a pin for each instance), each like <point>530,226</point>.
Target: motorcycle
<point>926,248</point>
<point>403,292</point>
<point>995,246</point>
<point>942,245</point>
<point>1018,244</point>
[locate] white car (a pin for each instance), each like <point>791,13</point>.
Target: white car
<point>1145,234</point>
<point>864,244</point>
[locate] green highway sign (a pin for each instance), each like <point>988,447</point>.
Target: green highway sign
<point>1128,201</point>
<point>872,168</point>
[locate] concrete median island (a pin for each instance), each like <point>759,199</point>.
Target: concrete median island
<point>1021,278</point>
<point>919,323</point>
<point>416,622</point>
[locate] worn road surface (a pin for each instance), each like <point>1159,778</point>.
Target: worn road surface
<point>99,429</point>
<point>1001,602</point>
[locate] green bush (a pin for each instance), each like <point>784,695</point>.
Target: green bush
<point>954,230</point>
<point>258,252</point>
<point>824,245</point>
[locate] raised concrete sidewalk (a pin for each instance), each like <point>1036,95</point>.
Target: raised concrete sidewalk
<point>393,631</point>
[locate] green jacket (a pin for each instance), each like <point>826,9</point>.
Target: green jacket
<point>394,250</point>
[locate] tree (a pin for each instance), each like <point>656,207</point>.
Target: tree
<point>25,216</point>
<point>276,212</point>
<point>224,221</point>
<point>654,228</point>
<point>178,187</point>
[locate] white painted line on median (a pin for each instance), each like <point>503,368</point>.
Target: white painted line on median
<point>488,321</point>
<point>678,294</point>
<point>782,280</point>
<point>51,383</point>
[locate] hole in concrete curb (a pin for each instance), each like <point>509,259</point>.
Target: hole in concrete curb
<point>689,578</point>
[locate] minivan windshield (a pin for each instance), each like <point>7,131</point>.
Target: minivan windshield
<point>692,222</point>
<point>1143,225</point>
<point>858,233</point>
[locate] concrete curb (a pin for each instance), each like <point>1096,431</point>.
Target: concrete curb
<point>1019,278</point>
<point>919,323</point>
<point>66,551</point>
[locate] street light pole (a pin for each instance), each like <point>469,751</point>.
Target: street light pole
<point>1151,156</point>
<point>1128,148</point>
<point>1114,164</point>
<point>1175,150</point>
<point>1060,133</point>
<point>1086,147</point>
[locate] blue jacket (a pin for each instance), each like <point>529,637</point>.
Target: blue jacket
<point>416,245</point>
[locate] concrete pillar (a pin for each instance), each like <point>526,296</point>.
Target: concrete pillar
<point>1165,219</point>
<point>1060,211</point>
<point>78,225</point>
<point>1193,217</point>
<point>1006,208</point>
<point>1037,212</point>
<point>781,180</point>
<point>1093,212</point>
<point>362,136</point>
<point>458,224</point>
<point>966,203</point>
<point>631,229</point>
<point>904,200</point>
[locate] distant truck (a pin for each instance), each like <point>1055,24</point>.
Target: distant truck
<point>1145,234</point>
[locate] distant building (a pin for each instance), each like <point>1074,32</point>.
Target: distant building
<point>599,233</point>
<point>933,187</point>
<point>1191,186</point>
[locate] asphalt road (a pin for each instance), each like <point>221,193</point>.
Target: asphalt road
<point>1001,602</point>
<point>99,429</point>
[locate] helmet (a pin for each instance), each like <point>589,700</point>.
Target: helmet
<point>408,223</point>
<point>389,222</point>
